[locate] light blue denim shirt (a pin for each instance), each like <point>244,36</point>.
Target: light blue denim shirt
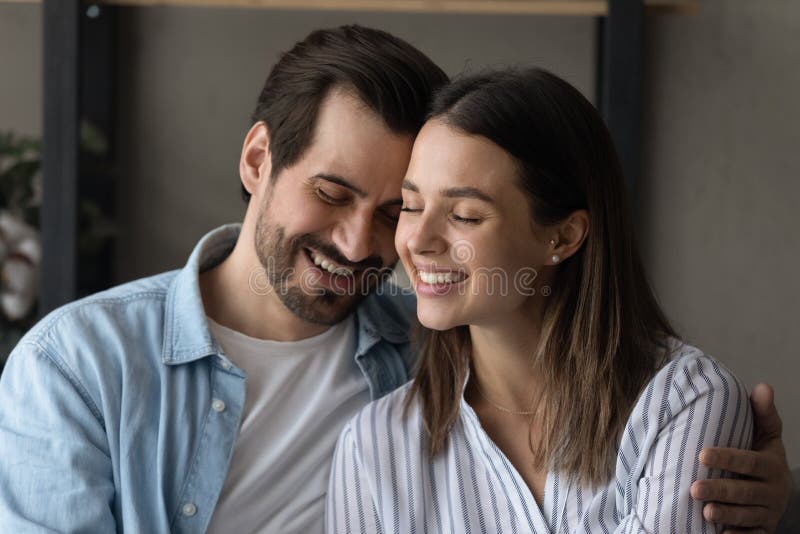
<point>119,412</point>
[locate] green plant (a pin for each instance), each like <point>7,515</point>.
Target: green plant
<point>20,185</point>
<point>20,254</point>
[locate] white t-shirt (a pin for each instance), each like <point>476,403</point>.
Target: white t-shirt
<point>298,397</point>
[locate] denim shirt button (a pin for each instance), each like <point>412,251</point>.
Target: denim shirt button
<point>224,364</point>
<point>189,509</point>
<point>218,405</point>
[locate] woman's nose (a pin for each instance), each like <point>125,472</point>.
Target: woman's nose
<point>426,237</point>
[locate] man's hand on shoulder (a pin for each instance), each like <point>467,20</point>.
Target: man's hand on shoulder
<point>756,501</point>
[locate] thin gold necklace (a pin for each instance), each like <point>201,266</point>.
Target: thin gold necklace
<point>501,408</point>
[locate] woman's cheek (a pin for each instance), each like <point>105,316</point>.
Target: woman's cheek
<point>400,239</point>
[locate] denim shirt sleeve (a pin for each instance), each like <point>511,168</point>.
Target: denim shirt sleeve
<point>55,467</point>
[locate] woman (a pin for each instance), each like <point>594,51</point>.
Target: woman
<point>552,393</point>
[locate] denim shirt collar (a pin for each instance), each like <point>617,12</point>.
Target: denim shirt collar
<point>186,334</point>
<point>372,326</point>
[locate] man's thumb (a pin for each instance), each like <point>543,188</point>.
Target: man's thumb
<point>767,420</point>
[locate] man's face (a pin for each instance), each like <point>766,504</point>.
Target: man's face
<point>325,229</point>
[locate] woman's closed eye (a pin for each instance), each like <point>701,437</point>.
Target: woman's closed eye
<point>466,220</point>
<point>453,216</point>
<point>408,209</point>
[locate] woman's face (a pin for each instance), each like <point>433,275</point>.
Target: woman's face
<point>465,234</point>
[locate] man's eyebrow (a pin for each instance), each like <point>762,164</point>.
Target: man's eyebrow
<point>341,181</point>
<point>467,192</point>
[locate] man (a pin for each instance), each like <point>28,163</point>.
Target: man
<point>210,398</point>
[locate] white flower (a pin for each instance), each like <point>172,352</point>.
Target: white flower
<point>20,257</point>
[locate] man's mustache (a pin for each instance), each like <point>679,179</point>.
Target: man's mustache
<point>330,250</point>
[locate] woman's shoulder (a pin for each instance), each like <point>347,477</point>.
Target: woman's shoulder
<point>693,401</point>
<point>687,377</point>
<point>688,369</point>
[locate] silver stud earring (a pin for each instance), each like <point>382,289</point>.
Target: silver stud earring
<point>556,258</point>
<point>552,241</point>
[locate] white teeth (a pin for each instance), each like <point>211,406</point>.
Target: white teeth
<point>330,266</point>
<point>439,278</point>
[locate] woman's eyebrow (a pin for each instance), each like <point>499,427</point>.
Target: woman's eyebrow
<point>467,192</point>
<point>454,192</point>
<point>408,184</point>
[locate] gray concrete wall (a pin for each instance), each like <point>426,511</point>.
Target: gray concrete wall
<point>721,132</point>
<point>21,69</point>
<point>721,185</point>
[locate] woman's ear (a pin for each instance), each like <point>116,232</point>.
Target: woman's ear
<point>569,238</point>
<point>255,165</point>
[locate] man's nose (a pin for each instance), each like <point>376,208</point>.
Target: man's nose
<point>354,237</point>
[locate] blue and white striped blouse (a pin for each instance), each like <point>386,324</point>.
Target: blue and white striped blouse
<point>383,480</point>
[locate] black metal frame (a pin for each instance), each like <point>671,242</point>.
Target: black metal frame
<point>96,182</point>
<point>78,89</point>
<point>619,80</point>
<point>60,156</point>
<point>71,58</point>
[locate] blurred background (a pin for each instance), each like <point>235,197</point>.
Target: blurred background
<point>715,201</point>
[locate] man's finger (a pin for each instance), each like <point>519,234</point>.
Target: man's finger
<point>736,516</point>
<point>767,421</point>
<point>733,491</point>
<point>749,463</point>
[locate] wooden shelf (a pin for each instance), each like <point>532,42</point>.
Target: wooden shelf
<point>499,7</point>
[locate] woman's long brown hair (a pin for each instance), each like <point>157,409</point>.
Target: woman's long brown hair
<point>602,333</point>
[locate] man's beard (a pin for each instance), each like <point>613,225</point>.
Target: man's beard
<point>314,304</point>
